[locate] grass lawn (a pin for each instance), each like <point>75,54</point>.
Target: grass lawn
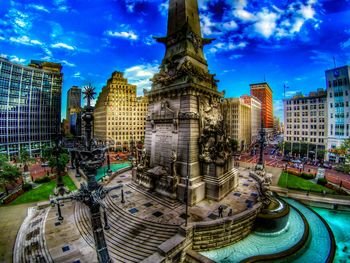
<point>42,192</point>
<point>298,183</point>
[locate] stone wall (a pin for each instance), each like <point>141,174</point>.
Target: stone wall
<point>223,232</point>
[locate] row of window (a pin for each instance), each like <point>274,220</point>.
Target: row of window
<point>338,82</point>
<point>303,139</point>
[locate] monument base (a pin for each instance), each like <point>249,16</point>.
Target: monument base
<point>217,187</point>
<point>196,190</point>
<point>156,180</point>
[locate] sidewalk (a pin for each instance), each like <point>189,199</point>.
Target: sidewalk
<point>316,197</point>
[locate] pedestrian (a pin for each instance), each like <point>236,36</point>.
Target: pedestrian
<point>341,184</point>
<point>230,212</point>
<point>220,210</point>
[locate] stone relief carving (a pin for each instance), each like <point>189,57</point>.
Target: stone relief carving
<point>213,143</point>
<point>176,69</point>
<point>263,187</point>
<point>188,115</point>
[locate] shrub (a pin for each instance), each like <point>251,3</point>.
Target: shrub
<point>307,176</point>
<point>27,187</point>
<point>322,181</point>
<point>43,179</point>
<point>293,172</point>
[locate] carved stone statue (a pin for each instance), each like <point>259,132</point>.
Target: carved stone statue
<point>173,163</point>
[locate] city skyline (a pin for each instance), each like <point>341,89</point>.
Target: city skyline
<point>282,42</point>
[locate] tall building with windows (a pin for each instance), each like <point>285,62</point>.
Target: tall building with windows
<point>338,99</point>
<point>73,111</point>
<point>30,105</point>
<point>238,121</point>
<point>263,93</point>
<point>255,107</point>
<point>119,114</point>
<point>305,119</point>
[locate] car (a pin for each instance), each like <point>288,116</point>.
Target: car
<point>327,165</point>
<point>45,164</point>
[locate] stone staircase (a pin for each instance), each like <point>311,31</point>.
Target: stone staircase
<point>129,239</point>
<point>164,201</point>
<point>30,243</point>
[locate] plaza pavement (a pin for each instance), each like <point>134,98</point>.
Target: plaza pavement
<point>11,218</point>
<point>140,204</point>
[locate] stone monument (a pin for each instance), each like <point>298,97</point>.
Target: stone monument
<point>185,133</point>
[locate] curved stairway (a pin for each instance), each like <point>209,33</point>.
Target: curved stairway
<point>129,239</point>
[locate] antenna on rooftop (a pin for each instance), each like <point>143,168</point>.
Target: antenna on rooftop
<point>264,78</point>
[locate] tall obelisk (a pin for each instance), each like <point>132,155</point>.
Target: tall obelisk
<point>184,115</point>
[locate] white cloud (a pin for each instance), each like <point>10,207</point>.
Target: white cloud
<point>149,41</point>
<point>345,44</point>
<point>292,93</point>
<point>17,59</point>
<point>243,15</point>
<point>62,45</point>
<point>39,8</point>
<point>235,56</point>
<point>19,22</point>
<point>3,56</point>
<point>25,40</point>
<point>127,35</point>
<point>266,23</point>
<point>68,64</point>
<point>140,75</point>
<point>209,27</point>
<point>77,75</point>
<point>2,38</point>
<point>163,8</point>
<point>231,25</point>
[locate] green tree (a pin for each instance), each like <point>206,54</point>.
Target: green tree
<point>25,158</point>
<point>8,173</point>
<point>234,145</point>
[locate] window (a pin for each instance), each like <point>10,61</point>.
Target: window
<point>334,83</point>
<point>331,115</point>
<point>331,105</point>
<point>330,94</point>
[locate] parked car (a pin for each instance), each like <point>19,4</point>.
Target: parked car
<point>327,165</point>
<point>46,164</point>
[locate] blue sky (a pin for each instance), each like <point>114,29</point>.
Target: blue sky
<point>284,42</point>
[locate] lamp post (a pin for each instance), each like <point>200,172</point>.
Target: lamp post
<point>91,156</point>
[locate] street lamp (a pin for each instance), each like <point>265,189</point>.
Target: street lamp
<point>90,156</point>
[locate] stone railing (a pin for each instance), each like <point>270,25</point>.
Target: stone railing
<point>222,232</point>
<point>204,236</point>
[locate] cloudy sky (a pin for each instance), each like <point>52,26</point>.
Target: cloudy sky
<point>284,42</point>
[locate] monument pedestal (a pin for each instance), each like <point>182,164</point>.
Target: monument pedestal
<point>217,187</point>
<point>196,190</point>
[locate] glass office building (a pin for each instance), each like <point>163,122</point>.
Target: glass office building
<point>30,105</point>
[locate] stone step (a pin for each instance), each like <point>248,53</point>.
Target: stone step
<point>116,249</point>
<point>154,225</point>
<point>130,239</point>
<point>220,180</point>
<point>165,201</point>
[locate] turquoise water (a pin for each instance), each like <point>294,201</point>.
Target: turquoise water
<point>102,171</point>
<point>258,244</point>
<point>319,247</point>
<point>339,222</point>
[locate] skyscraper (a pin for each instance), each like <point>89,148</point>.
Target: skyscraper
<point>238,121</point>
<point>263,92</point>
<point>30,105</point>
<point>74,110</point>
<point>338,100</point>
<point>305,124</point>
<point>119,114</point>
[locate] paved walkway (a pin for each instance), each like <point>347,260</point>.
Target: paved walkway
<point>11,218</point>
<point>139,204</point>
